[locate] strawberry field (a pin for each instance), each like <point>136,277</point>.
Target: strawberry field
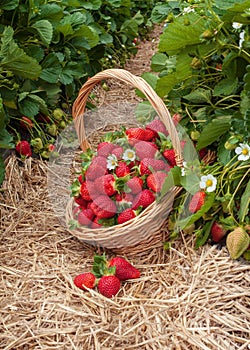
<point>181,280</point>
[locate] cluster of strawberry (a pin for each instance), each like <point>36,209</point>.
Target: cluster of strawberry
<point>36,135</point>
<point>123,176</point>
<point>107,275</point>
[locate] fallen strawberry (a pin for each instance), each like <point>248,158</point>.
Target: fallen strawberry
<point>85,280</point>
<point>24,149</point>
<point>109,285</point>
<point>217,231</point>
<point>197,201</point>
<point>124,270</point>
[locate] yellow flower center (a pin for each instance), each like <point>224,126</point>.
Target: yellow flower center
<point>130,154</point>
<point>245,151</point>
<point>209,183</point>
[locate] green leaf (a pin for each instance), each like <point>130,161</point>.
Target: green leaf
<point>159,61</point>
<point>203,234</point>
<point>213,131</point>
<point>199,96</point>
<point>191,183</point>
<point>6,140</point>
<point>173,179</point>
<point>115,3</point>
<point>144,112</point>
<point>31,104</point>
<point>85,37</point>
<point>8,4</point>
<point>225,87</point>
<point>160,12</point>
<point>130,27</point>
<point>178,35</point>
<point>45,30</point>
<point>91,5</point>
<point>244,203</point>
<point>14,59</point>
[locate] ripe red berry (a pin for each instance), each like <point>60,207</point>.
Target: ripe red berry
<point>124,270</point>
<point>126,215</point>
<point>109,285</point>
<point>85,217</point>
<point>143,199</point>
<point>23,148</point>
<point>197,201</point>
<point>217,232</point>
<point>84,280</point>
<point>156,180</point>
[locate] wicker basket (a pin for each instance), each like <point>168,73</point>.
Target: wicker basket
<point>144,231</point>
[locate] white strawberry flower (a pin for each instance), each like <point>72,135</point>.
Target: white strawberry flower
<point>237,25</point>
<point>183,170</point>
<point>129,154</point>
<point>208,182</point>
<point>112,162</point>
<point>243,151</point>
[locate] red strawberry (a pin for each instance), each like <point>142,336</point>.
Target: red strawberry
<point>143,199</point>
<point>103,207</point>
<point>156,164</point>
<point>124,198</point>
<point>135,184</point>
<point>105,148</point>
<point>81,179</point>
<point>126,215</point>
<point>100,161</point>
<point>169,155</point>
<point>80,201</point>
<point>85,217</point>
<point>95,223</point>
<point>135,134</point>
<point>105,185</point>
<point>109,285</point>
<point>176,118</point>
<point>217,231</point>
<point>26,123</point>
<point>94,171</point>
<point>157,126</point>
<point>122,169</point>
<point>118,152</point>
<point>145,149</point>
<point>84,280</point>
<point>85,190</point>
<point>197,201</point>
<point>203,152</point>
<point>23,148</point>
<point>124,270</point>
<point>156,180</point>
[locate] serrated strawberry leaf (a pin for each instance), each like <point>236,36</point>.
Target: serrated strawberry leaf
<point>244,203</point>
<point>173,179</point>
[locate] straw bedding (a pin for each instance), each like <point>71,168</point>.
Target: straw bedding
<point>185,298</point>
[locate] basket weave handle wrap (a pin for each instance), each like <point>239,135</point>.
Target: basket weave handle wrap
<point>137,82</point>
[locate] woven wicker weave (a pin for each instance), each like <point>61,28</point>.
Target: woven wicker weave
<point>136,234</point>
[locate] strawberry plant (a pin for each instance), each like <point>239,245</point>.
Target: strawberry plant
<point>202,67</point>
<point>47,51</point>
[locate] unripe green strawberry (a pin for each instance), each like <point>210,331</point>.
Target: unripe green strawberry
<point>52,129</point>
<point>196,63</point>
<point>37,144</point>
<point>58,114</point>
<point>207,34</point>
<point>237,242</point>
<point>195,134</point>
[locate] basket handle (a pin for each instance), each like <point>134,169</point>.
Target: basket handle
<point>137,82</point>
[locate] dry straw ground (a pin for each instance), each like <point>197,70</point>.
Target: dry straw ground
<point>185,299</point>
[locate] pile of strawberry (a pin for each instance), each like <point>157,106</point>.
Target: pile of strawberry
<point>123,176</point>
<point>107,275</point>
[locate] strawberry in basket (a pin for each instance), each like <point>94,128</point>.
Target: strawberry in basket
<point>123,176</point>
